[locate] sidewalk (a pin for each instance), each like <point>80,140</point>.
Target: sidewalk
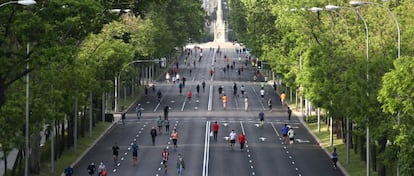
<point>11,157</point>
<point>300,118</point>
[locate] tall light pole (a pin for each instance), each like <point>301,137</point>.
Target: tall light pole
<point>26,135</point>
<point>118,75</point>
<point>361,3</point>
<point>334,9</point>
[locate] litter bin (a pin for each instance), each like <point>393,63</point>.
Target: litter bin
<point>109,118</point>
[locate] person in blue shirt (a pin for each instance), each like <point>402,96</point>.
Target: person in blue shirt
<point>69,171</point>
<point>285,130</point>
<point>261,117</point>
<point>334,157</point>
<point>135,153</point>
<point>139,110</point>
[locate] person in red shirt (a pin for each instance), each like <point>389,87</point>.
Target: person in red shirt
<point>215,130</point>
<point>242,140</point>
<point>189,95</point>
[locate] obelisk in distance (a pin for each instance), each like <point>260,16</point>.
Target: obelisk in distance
<point>220,27</point>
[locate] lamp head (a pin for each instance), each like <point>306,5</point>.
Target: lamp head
<point>357,3</point>
<point>332,7</point>
<point>26,2</point>
<point>315,9</point>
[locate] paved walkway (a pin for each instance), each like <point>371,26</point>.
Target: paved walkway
<point>10,160</point>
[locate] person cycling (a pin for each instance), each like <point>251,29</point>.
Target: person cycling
<point>261,117</point>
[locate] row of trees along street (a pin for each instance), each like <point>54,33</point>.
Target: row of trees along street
<point>335,74</point>
<point>76,49</point>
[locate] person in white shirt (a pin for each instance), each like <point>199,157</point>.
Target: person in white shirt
<point>246,103</point>
<point>233,137</point>
<point>291,135</point>
<point>262,93</point>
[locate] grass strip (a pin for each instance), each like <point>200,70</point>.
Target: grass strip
<point>356,167</point>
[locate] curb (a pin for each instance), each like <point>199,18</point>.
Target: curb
<point>299,116</point>
<point>116,119</point>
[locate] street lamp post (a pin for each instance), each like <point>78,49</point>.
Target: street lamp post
<point>361,3</point>
<point>118,75</point>
<point>334,9</point>
<point>26,135</point>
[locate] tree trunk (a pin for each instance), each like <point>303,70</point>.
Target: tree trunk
<point>5,153</point>
<point>355,144</point>
<point>62,138</point>
<point>374,157</point>
<point>382,168</point>
<point>82,123</point>
<point>35,153</point>
<point>70,138</point>
<point>362,154</point>
<point>350,133</point>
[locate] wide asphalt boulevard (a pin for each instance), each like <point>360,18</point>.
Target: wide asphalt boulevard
<point>264,155</point>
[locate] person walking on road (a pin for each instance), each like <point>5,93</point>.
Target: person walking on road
<point>246,104</point>
<point>139,110</point>
<point>174,136</point>
<point>180,165</point>
<point>198,89</point>
<point>235,89</point>
<point>291,135</point>
<point>220,90</point>
<point>334,158</point>
<point>68,171</point>
<point>289,111</point>
<point>123,118</point>
<point>189,95</point>
<point>203,84</point>
<point>135,153</point>
<point>242,90</point>
<point>167,126</point>
<point>153,133</point>
<point>283,98</point>
<point>91,169</point>
<point>269,104</point>
<point>261,117</point>
<point>180,87</point>
<point>262,93</point>
<point>115,153</point>
<point>159,95</point>
<point>165,154</point>
<point>166,109</point>
<point>160,122</point>
<point>242,140</point>
<point>101,169</point>
<point>224,99</point>
<point>285,130</point>
<point>215,130</point>
<point>233,137</point>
